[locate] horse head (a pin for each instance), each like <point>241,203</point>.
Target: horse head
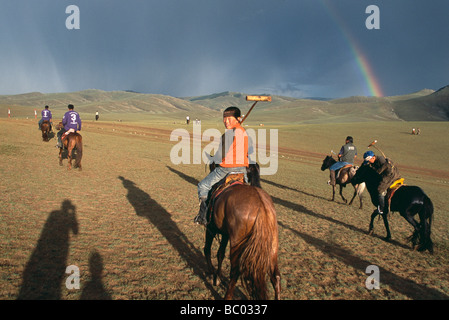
<point>366,174</point>
<point>59,126</point>
<point>253,174</point>
<point>327,162</point>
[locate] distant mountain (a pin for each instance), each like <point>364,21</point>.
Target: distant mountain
<point>93,100</point>
<point>220,101</point>
<point>424,105</point>
<point>431,107</point>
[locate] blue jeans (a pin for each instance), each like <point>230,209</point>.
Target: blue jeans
<point>212,178</point>
<point>338,165</point>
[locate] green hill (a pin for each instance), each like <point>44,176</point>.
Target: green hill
<point>432,107</point>
<point>105,102</point>
<point>424,105</point>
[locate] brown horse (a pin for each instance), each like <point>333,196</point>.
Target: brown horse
<point>344,178</point>
<point>245,216</point>
<point>45,128</point>
<point>70,142</point>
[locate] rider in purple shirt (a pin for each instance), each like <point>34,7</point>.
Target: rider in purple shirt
<point>46,115</point>
<point>71,122</point>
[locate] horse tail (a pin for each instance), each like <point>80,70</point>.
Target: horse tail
<point>426,216</point>
<point>79,150</point>
<point>259,250</point>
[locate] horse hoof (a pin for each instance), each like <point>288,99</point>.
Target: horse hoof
<point>371,232</point>
<point>387,239</point>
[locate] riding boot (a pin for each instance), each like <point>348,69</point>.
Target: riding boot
<point>332,180</point>
<point>382,208</point>
<point>201,216</point>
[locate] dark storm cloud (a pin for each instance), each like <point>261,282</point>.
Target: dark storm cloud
<point>194,47</point>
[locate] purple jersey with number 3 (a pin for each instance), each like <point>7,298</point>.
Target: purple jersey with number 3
<point>71,120</point>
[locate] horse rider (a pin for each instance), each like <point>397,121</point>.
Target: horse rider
<point>346,156</point>
<point>46,115</point>
<point>71,122</point>
<point>232,157</point>
<point>389,174</point>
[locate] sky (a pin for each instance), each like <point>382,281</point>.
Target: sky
<point>182,48</point>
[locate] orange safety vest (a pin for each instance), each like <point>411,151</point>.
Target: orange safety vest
<point>237,154</point>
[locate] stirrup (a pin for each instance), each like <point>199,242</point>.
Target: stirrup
<point>200,220</point>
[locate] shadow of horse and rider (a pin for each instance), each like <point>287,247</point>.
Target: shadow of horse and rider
<point>44,274</point>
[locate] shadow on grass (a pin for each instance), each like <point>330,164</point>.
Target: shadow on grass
<point>400,284</point>
<point>293,189</point>
<point>94,289</point>
<point>302,209</point>
<point>148,208</point>
<point>45,270</point>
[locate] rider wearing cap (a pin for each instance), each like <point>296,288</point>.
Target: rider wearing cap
<point>388,172</point>
<point>234,147</point>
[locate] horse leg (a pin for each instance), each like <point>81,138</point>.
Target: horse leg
<point>69,157</point>
<point>416,227</point>
<point>207,249</point>
<point>275,278</point>
<point>387,227</point>
<point>371,223</point>
<point>234,274</point>
<point>341,194</point>
<point>60,156</point>
<point>425,216</point>
<point>354,195</point>
<point>333,193</point>
<point>220,257</point>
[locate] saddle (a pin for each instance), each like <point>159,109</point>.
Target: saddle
<point>230,180</point>
<point>349,167</point>
<point>337,174</point>
<point>393,188</point>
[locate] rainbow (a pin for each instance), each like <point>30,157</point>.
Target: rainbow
<point>363,65</point>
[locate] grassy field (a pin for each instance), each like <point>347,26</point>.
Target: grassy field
<point>126,219</point>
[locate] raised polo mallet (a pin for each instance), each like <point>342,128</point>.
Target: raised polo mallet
<point>255,99</point>
<point>372,144</point>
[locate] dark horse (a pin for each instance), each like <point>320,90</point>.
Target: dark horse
<point>45,128</point>
<point>245,216</point>
<point>71,142</point>
<point>344,177</point>
<point>408,201</point>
